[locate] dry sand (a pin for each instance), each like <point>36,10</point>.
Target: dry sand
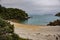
<point>37,32</point>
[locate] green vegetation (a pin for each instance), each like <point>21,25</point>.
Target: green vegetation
<point>12,13</point>
<point>7,31</point>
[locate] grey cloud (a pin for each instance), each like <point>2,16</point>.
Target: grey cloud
<point>33,6</point>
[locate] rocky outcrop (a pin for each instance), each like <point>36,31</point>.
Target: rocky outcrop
<point>58,14</point>
<point>55,23</point>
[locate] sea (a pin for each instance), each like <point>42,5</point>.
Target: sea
<point>40,19</point>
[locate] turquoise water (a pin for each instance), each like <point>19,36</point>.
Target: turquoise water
<point>40,19</point>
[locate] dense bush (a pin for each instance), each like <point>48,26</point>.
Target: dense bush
<point>12,13</point>
<point>7,31</point>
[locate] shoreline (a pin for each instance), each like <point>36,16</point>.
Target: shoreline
<point>27,26</point>
<point>37,32</point>
<point>17,21</point>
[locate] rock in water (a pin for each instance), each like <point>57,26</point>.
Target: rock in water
<point>55,23</point>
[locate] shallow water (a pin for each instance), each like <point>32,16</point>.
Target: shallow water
<point>40,19</point>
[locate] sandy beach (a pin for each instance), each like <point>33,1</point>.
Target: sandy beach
<point>34,32</point>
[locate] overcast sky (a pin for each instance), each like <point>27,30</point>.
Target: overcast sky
<point>34,6</point>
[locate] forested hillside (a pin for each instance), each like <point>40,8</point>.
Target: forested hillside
<point>12,13</point>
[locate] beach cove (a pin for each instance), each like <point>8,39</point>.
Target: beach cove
<point>29,20</point>
<point>34,32</point>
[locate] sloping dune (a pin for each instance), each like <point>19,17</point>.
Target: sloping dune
<point>37,32</point>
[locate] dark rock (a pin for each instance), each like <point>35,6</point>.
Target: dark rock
<point>27,17</point>
<point>58,14</point>
<point>56,38</point>
<point>55,23</point>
